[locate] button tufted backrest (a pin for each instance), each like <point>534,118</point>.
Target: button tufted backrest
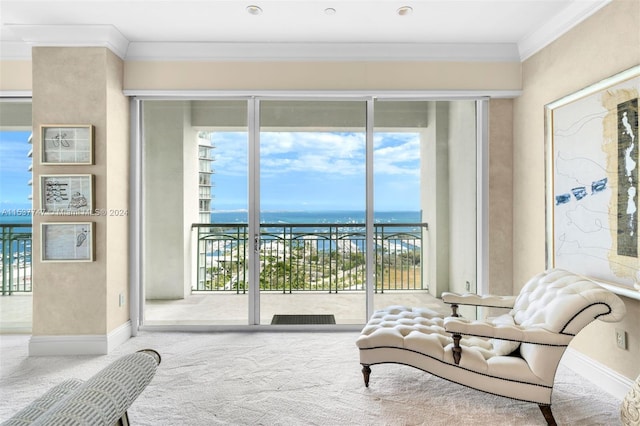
<point>563,302</point>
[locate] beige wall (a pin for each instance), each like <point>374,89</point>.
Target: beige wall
<point>500,196</point>
<point>603,45</point>
<point>253,76</point>
<point>15,76</point>
<point>83,86</point>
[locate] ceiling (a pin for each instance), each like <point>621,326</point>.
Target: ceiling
<point>493,30</point>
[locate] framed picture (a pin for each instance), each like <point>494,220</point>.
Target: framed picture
<point>592,182</point>
<point>67,241</point>
<point>66,194</point>
<point>67,144</point>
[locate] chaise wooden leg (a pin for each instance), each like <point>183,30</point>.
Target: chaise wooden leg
<point>548,415</point>
<point>366,372</point>
<point>454,310</point>
<point>457,350</point>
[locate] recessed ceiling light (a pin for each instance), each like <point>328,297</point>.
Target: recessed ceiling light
<point>329,11</point>
<point>254,10</point>
<point>405,10</point>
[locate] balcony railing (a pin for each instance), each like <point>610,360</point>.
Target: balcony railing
<point>15,244</point>
<point>311,257</point>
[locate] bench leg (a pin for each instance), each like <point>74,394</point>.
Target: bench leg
<point>548,415</point>
<point>123,421</point>
<point>366,372</point>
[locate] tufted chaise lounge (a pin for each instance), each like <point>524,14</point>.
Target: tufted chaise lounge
<point>513,355</point>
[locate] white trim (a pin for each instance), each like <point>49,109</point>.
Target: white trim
<point>253,205</point>
<point>208,51</point>
<point>572,15</point>
<point>97,344</point>
<point>434,95</point>
<point>608,380</point>
<point>15,51</point>
<point>369,209</point>
<point>622,291</point>
<point>16,94</point>
<point>136,292</point>
<point>70,36</point>
<point>482,197</point>
<point>195,328</point>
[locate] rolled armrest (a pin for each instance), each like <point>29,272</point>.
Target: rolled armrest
<point>489,301</point>
<point>514,333</point>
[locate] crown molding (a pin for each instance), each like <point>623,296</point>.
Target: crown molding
<point>71,36</point>
<point>206,51</point>
<point>576,12</point>
<point>15,51</point>
<point>109,36</point>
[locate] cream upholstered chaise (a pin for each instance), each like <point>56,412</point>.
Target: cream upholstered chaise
<point>513,355</point>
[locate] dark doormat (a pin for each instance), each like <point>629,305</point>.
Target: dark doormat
<point>302,319</point>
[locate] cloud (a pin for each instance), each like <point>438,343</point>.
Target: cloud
<point>13,153</point>
<point>397,154</point>
<point>341,153</point>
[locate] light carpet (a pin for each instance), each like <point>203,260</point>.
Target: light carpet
<point>290,378</point>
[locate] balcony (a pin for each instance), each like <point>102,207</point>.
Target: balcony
<point>311,257</point>
<point>317,266</point>
<point>15,269</point>
<point>15,244</point>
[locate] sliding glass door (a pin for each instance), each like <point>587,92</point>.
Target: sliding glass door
<point>195,193</point>
<point>312,212</point>
<point>305,211</point>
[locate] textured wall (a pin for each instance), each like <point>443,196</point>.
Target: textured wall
<point>500,196</point>
<point>601,46</point>
<point>76,86</point>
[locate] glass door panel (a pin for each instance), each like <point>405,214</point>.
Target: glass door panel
<point>16,219</point>
<point>312,212</point>
<point>195,212</point>
<point>424,200</point>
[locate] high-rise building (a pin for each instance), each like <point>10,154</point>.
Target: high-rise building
<point>30,155</point>
<point>206,170</point>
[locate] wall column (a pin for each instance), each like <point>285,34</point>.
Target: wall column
<point>170,198</point>
<point>82,307</point>
<point>435,178</point>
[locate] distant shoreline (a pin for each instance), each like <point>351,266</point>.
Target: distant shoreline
<point>283,216</point>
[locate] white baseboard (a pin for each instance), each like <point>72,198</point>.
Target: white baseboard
<point>608,380</point>
<point>79,345</point>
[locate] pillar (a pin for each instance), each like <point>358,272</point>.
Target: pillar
<point>82,307</point>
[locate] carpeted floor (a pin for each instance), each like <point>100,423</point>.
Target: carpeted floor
<point>290,378</point>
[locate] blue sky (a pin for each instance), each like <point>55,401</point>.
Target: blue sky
<point>299,171</point>
<point>14,170</point>
<point>318,171</point>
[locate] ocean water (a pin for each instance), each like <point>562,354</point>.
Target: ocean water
<point>285,217</point>
<point>20,219</point>
<point>317,217</point>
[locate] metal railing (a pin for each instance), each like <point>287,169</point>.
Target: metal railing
<point>15,244</point>
<point>311,257</point>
